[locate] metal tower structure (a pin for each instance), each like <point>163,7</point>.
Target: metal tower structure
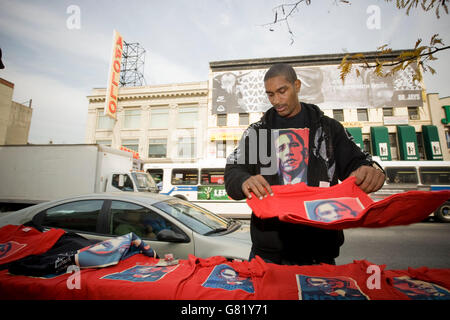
<point>132,70</point>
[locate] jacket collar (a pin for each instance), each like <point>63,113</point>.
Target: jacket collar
<point>313,111</point>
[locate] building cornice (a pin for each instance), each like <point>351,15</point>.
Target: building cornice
<point>297,61</point>
<point>195,89</point>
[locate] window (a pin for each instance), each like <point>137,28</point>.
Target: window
<point>243,119</point>
<point>157,174</point>
<point>106,143</point>
<point>413,113</point>
<point>367,143</point>
<point>221,120</point>
<point>157,148</point>
<point>362,115</point>
<point>132,144</point>
<point>77,216</point>
<point>420,147</point>
<point>126,185</point>
<point>104,122</point>
<point>393,143</point>
<point>221,149</point>
<point>212,176</point>
<point>145,223</point>
<point>159,118</point>
<point>401,175</point>
<point>132,119</point>
<point>447,137</point>
<point>338,114</point>
<point>435,175</point>
<point>187,117</point>
<point>388,112</point>
<point>185,176</point>
<point>196,218</point>
<point>186,147</point>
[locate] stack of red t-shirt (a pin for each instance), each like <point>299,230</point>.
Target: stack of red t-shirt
<point>17,242</point>
<point>345,205</point>
<point>215,278</point>
<point>317,282</point>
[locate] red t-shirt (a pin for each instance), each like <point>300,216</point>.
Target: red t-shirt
<point>345,205</point>
<point>17,242</point>
<point>421,283</point>
<point>360,280</point>
<point>136,278</point>
<point>215,278</point>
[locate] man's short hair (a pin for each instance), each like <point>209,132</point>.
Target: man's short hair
<point>281,69</point>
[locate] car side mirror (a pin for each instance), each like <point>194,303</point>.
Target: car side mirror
<point>170,236</point>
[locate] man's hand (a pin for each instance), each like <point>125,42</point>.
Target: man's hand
<point>368,178</point>
<point>258,185</point>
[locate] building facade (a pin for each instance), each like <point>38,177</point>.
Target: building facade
<point>163,123</point>
<point>391,117</point>
<point>15,118</point>
<point>440,117</point>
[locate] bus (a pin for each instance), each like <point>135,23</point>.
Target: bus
<point>201,183</point>
<point>402,176</point>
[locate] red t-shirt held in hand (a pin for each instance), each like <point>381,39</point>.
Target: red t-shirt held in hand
<point>345,206</point>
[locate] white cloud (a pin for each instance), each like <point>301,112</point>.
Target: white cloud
<point>160,70</point>
<point>40,28</point>
<point>59,111</point>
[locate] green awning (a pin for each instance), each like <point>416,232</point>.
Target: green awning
<point>380,143</point>
<point>431,142</point>
<point>357,135</point>
<point>407,143</point>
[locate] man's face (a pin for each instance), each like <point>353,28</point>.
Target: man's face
<point>327,212</point>
<point>228,81</point>
<point>289,151</point>
<point>283,95</point>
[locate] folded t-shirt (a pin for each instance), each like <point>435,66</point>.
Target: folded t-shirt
<point>19,241</point>
<point>345,205</point>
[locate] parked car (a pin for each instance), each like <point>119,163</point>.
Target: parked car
<point>168,224</point>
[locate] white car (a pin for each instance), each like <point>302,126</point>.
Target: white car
<point>168,224</point>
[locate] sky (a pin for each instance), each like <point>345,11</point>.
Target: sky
<point>56,52</point>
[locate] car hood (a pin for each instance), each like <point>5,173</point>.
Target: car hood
<point>242,233</point>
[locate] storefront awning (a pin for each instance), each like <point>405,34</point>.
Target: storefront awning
<point>431,142</point>
<point>357,135</point>
<point>407,143</point>
<point>380,143</point>
<point>225,135</point>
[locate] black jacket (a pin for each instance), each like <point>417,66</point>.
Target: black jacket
<point>333,155</point>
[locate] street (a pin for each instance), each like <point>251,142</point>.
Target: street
<point>421,244</point>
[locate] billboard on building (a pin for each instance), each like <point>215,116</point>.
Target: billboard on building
<point>112,87</point>
<point>242,91</point>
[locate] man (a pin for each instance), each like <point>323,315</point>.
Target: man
<point>332,210</point>
<point>332,156</point>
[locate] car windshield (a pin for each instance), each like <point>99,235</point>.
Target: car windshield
<point>198,219</point>
<point>144,182</point>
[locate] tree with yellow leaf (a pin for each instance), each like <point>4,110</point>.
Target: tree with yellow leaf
<point>421,55</point>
